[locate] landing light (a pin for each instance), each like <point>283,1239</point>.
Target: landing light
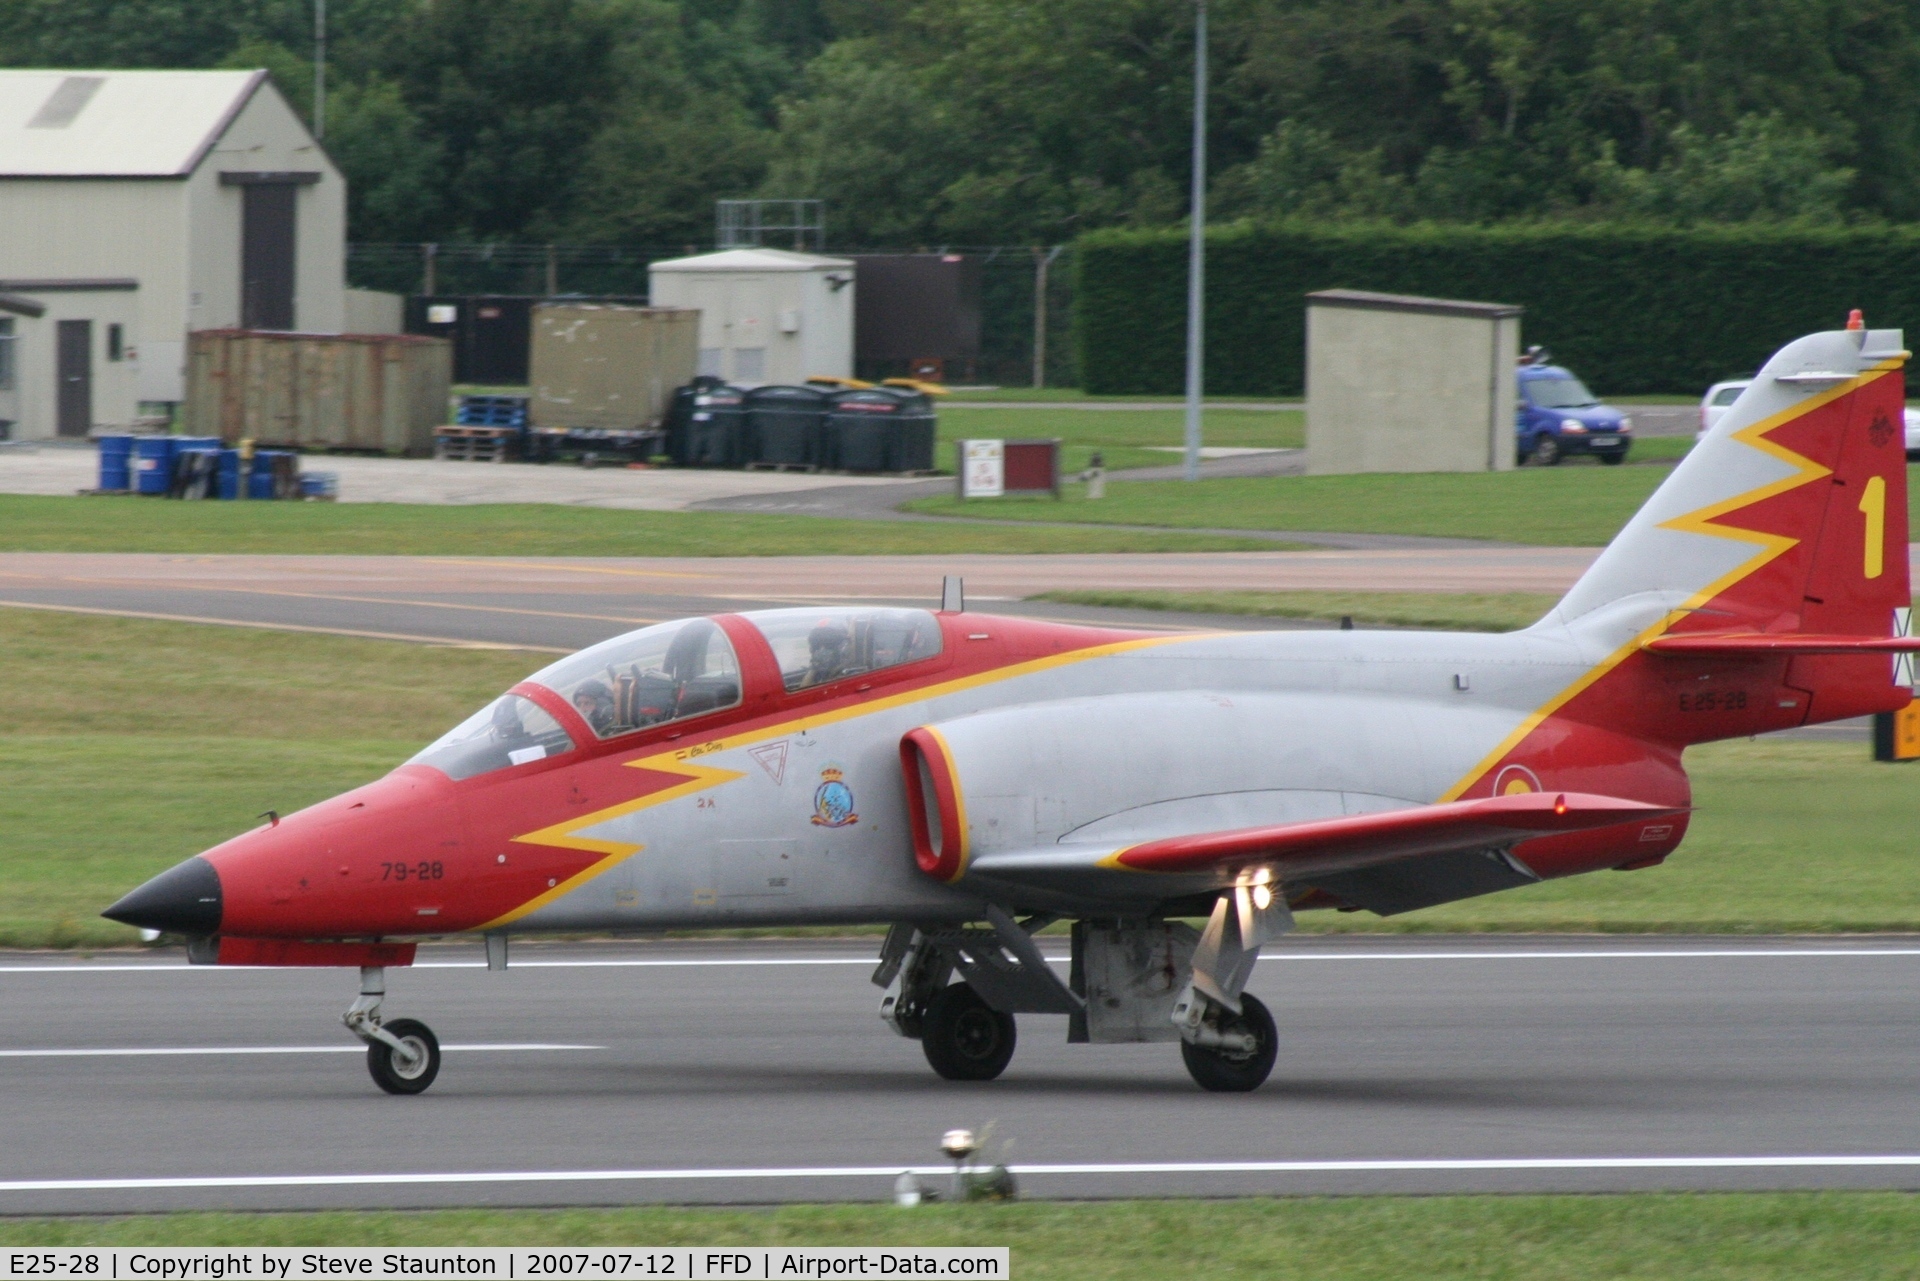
<point>1262,897</point>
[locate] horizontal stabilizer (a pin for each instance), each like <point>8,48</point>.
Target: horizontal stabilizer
<point>1759,644</point>
<point>1361,840</point>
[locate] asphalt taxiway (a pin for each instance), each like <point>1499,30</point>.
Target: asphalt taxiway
<point>563,603</point>
<point>757,1071</point>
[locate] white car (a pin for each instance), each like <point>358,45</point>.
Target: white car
<point>1720,398</point>
<point>1717,401</point>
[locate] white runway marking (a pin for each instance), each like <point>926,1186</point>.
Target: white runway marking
<point>266,1049</point>
<point>1460,1165</point>
<point>1598,954</point>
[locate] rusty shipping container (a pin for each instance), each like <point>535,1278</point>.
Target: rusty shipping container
<point>595,365</point>
<point>384,392</point>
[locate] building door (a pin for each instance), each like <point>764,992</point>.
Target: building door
<point>73,364</point>
<point>267,256</point>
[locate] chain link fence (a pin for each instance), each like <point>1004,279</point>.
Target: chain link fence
<point>1011,280</point>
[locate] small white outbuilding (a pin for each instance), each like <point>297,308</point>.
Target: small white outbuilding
<point>766,315</point>
<point>1401,383</point>
<point>194,199</point>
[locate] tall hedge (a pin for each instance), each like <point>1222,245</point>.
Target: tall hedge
<point>1632,310</point>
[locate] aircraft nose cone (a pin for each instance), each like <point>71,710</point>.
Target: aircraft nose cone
<point>184,899</point>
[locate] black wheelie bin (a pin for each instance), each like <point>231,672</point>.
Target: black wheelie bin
<point>785,426</point>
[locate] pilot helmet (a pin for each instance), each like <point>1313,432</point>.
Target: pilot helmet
<point>594,701</point>
<point>829,637</point>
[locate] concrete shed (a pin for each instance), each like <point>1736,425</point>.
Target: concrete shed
<point>1397,383</point>
<point>766,315</point>
<point>200,189</point>
<point>66,366</point>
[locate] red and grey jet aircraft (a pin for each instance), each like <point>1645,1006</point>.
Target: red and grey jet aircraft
<point>971,779</point>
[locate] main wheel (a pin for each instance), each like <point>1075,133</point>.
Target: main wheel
<point>965,1039</point>
<point>1546,451</point>
<point>1225,1073</point>
<point>397,1076</point>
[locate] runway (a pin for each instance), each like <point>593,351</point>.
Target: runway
<point>734,1071</point>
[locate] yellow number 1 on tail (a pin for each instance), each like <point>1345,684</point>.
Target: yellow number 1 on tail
<point>1873,505</point>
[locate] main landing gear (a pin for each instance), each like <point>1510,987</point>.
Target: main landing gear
<point>1132,980</point>
<point>964,1038</point>
<point>404,1055</point>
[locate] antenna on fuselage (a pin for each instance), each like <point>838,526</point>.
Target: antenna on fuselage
<point>953,594</point>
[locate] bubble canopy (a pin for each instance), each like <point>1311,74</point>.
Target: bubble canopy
<point>657,674</point>
<point>677,670</point>
<point>815,646</point>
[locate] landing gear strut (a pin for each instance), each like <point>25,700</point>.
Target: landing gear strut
<point>403,1056</point>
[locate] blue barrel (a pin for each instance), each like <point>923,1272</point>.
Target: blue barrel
<point>116,462</point>
<point>268,465</point>
<point>196,442</point>
<point>153,465</point>
<point>228,483</point>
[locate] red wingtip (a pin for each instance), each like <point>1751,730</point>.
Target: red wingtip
<point>1855,320</point>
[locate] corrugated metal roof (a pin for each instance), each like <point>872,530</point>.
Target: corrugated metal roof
<point>750,260</point>
<point>115,124</point>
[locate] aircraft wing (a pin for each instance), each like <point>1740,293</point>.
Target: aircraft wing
<point>1748,645</point>
<point>1387,862</point>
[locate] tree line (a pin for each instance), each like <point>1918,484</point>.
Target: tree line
<point>973,122</point>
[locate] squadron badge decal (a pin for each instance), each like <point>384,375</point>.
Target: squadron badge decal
<point>833,801</point>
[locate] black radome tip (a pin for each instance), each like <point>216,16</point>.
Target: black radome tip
<point>184,899</point>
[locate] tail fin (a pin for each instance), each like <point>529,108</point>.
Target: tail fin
<point>1788,519</point>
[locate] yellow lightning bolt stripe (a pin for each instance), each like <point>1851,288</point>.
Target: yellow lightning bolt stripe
<point>1771,547</point>
<point>699,778</point>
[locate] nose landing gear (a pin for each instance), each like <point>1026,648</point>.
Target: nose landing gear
<point>403,1056</point>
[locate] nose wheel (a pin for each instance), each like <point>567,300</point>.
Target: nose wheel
<point>403,1056</point>
<point>409,1067</point>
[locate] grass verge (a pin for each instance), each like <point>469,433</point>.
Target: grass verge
<point>1793,1236</point>
<point>42,524</point>
<point>1121,436</point>
<point>1568,506</point>
<point>136,743</point>
<point>1558,506</point>
<point>1454,611</point>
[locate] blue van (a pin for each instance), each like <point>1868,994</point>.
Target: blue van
<point>1557,416</point>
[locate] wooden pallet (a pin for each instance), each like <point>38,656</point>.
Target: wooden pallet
<point>474,444</point>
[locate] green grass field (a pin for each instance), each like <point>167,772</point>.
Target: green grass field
<point>1120,436</point>
<point>1569,506</point>
<point>43,524</point>
<point>1068,395</point>
<point>1565,506</point>
<point>1847,1236</point>
<point>1455,611</point>
<point>133,744</point>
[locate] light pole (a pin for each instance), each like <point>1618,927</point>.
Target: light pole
<point>319,69</point>
<point>1197,240</point>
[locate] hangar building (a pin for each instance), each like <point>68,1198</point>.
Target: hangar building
<point>140,205</point>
